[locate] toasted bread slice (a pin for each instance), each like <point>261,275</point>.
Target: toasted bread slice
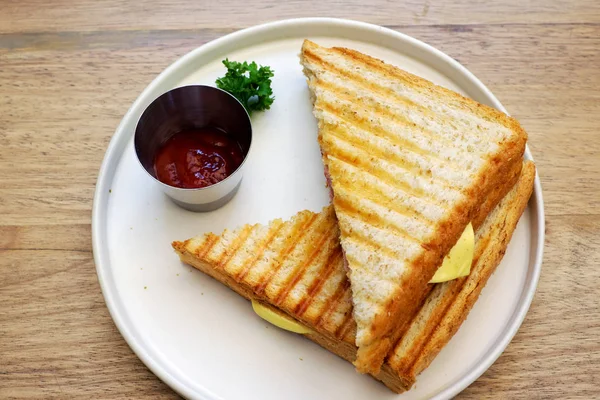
<point>410,164</point>
<point>296,269</point>
<point>449,303</point>
<point>295,266</point>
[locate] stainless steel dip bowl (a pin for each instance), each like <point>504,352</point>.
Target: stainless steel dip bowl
<point>193,107</point>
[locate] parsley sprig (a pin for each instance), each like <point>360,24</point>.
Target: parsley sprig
<point>249,84</point>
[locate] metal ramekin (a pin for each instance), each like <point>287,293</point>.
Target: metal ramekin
<point>186,107</point>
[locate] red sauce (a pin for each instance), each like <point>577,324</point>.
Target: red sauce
<point>197,158</point>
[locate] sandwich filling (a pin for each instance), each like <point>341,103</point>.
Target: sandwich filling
<point>278,319</point>
<point>457,262</point>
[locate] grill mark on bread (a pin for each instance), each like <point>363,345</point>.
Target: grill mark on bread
<point>379,197</point>
<point>422,342</point>
<point>422,86</point>
<point>345,307</point>
<point>207,246</point>
<point>365,241</point>
<point>385,93</point>
<point>383,112</point>
<point>392,156</point>
<point>341,289</point>
<point>359,81</point>
<point>295,276</point>
<point>377,64</point>
<point>340,333</point>
<point>341,93</point>
<point>251,261</point>
<point>360,266</point>
<point>371,219</point>
<point>290,243</point>
<point>359,143</point>
<point>333,262</point>
<point>380,174</point>
<point>235,246</point>
<point>352,119</point>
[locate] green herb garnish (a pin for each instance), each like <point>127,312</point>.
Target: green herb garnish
<point>249,84</point>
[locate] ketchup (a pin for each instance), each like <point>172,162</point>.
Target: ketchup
<point>197,158</point>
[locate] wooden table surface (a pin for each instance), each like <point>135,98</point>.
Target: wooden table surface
<point>69,70</point>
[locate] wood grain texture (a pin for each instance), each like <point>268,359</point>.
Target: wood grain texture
<point>70,69</point>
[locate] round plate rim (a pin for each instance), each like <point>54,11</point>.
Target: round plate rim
<point>113,154</point>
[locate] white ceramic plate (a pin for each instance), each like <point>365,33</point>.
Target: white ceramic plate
<point>201,338</point>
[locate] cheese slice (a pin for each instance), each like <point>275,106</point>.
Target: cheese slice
<point>278,319</point>
<point>457,262</point>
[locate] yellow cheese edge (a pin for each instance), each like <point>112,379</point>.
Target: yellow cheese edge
<point>278,319</point>
<point>457,262</point>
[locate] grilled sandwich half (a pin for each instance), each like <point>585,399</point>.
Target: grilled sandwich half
<point>410,164</point>
<point>296,269</point>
